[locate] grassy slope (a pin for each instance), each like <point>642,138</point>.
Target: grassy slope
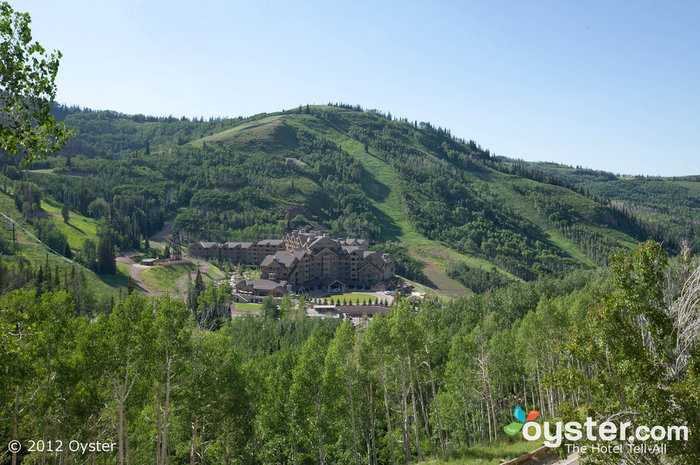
<point>78,228</point>
<point>501,187</point>
<point>173,278</point>
<point>237,130</point>
<point>103,285</point>
<point>163,278</point>
<point>385,191</point>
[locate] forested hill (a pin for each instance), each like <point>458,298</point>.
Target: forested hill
<point>442,206</point>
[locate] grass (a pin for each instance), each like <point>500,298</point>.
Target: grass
<point>524,208</point>
<point>384,189</point>
<point>231,133</point>
<point>486,454</point>
<point>350,297</point>
<point>163,278</point>
<point>104,286</point>
<point>244,306</point>
<point>172,278</point>
<point>213,274</point>
<point>78,228</point>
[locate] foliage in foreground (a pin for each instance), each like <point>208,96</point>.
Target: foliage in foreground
<point>27,76</point>
<point>418,383</point>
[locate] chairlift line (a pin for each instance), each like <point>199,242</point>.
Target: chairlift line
<point>27,233</point>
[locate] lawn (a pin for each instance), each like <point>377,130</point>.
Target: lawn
<point>350,297</point>
<point>244,306</point>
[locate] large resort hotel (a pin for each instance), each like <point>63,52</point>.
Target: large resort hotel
<point>305,261</point>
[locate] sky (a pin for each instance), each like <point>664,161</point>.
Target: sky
<point>605,85</point>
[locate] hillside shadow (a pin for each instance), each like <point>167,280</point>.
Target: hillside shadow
<point>76,228</point>
<point>374,189</point>
<point>390,230</point>
<point>115,281</point>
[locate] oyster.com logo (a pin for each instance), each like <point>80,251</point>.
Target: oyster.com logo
<point>513,428</point>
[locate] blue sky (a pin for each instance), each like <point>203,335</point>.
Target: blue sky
<point>606,85</point>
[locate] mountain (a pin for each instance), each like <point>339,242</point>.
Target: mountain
<point>455,217</point>
<point>669,208</point>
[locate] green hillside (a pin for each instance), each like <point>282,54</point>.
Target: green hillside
<point>27,250</point>
<point>668,208</point>
<point>463,220</point>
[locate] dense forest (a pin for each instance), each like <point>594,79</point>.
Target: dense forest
<point>178,381</point>
<point>343,170</point>
<point>433,377</point>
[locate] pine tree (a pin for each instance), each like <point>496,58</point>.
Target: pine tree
<point>65,213</point>
<point>106,263</point>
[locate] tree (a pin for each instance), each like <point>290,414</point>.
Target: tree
<point>126,352</point>
<point>27,76</point>
<point>171,349</point>
<point>65,213</point>
<point>307,396</point>
<point>640,351</point>
<point>286,306</point>
<point>105,256</point>
<point>270,311</point>
<point>339,379</point>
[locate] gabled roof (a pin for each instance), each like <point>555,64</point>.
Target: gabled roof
<point>234,245</point>
<point>366,265</point>
<point>324,250</point>
<point>270,261</point>
<point>286,258</point>
<point>322,241</point>
<point>273,242</point>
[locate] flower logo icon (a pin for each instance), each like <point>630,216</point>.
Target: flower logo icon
<point>519,415</point>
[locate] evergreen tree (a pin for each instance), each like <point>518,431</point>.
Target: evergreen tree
<point>65,213</point>
<point>106,263</point>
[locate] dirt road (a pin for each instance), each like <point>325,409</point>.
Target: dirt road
<point>135,270</point>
